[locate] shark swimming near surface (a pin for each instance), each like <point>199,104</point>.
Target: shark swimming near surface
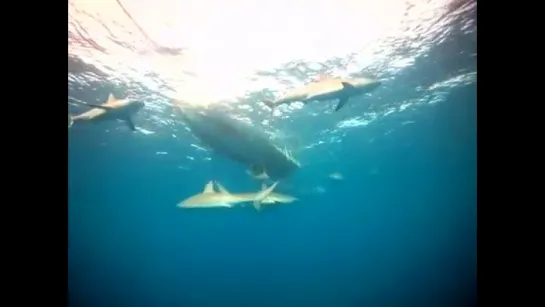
<point>210,198</point>
<point>328,89</point>
<point>112,109</point>
<point>239,142</point>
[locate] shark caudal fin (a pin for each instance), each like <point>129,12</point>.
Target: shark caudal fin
<point>262,195</point>
<point>130,123</point>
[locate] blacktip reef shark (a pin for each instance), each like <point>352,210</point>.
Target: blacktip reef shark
<point>328,89</point>
<point>210,198</point>
<point>112,109</point>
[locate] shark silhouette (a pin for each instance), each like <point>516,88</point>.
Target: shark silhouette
<point>210,198</point>
<point>239,142</point>
<point>112,109</point>
<point>328,89</point>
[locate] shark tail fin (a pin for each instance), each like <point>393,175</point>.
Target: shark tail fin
<point>70,120</point>
<point>262,195</point>
<point>269,104</point>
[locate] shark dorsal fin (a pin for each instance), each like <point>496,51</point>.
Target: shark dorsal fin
<point>221,188</point>
<point>263,186</point>
<point>111,99</point>
<point>208,188</point>
<point>347,85</point>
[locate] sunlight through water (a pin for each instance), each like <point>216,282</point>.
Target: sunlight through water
<point>236,53</point>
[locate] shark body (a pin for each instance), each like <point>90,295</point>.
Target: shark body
<point>328,89</point>
<point>222,198</point>
<point>112,109</point>
<point>239,142</point>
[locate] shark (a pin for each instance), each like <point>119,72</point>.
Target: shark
<point>112,109</point>
<point>341,89</point>
<point>238,141</point>
<point>210,198</point>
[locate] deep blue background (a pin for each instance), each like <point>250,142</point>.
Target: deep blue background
<point>403,237</point>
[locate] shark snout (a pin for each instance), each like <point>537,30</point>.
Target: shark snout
<point>183,204</point>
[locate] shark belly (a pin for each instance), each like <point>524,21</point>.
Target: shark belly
<point>211,205</point>
<point>291,98</point>
<point>325,94</point>
<point>238,141</point>
<point>91,115</point>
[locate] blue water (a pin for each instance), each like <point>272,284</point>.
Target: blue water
<point>402,236</point>
<point>399,230</point>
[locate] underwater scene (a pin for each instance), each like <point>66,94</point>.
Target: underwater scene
<point>272,153</point>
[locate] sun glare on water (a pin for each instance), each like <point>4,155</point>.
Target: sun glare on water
<point>224,42</point>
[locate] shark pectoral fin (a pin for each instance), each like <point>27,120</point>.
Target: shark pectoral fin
<point>348,89</point>
<point>221,188</point>
<point>130,123</point>
<point>257,206</point>
<point>341,103</point>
